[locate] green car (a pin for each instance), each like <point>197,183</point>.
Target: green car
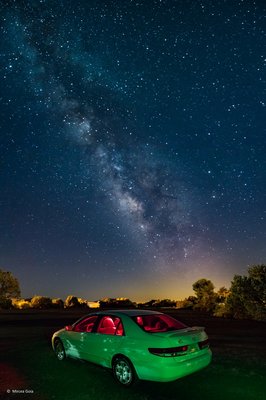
<point>135,344</point>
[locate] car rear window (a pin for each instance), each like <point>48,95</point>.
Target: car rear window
<point>154,323</point>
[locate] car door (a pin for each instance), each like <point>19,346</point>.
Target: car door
<point>78,335</point>
<point>106,341</point>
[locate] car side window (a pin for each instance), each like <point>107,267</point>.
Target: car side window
<point>120,329</point>
<point>158,323</point>
<point>86,325</point>
<point>111,325</point>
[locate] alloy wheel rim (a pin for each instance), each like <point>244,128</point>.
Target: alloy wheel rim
<point>59,351</point>
<point>123,372</point>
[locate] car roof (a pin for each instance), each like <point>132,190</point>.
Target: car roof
<point>130,313</point>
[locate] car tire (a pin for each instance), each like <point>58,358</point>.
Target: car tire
<point>59,350</point>
<point>124,371</point>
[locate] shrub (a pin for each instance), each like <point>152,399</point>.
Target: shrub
<point>41,302</point>
<point>71,302</point>
<point>57,303</point>
<point>21,304</point>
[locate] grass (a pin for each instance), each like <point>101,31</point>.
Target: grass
<point>237,372</point>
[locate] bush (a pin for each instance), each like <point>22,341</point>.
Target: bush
<point>21,304</point>
<point>119,302</point>
<point>57,303</point>
<point>71,302</point>
<point>165,303</point>
<point>41,302</point>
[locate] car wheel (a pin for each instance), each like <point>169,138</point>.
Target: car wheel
<point>59,350</point>
<point>124,371</point>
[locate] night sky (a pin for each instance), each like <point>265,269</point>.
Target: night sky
<point>132,148</point>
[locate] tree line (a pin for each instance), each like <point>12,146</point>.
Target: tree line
<point>246,298</point>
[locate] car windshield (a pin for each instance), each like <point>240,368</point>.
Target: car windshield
<point>154,323</point>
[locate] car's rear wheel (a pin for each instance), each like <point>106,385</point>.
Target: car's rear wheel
<point>123,371</point>
<point>59,350</point>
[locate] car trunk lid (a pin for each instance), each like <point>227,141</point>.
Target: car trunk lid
<point>183,342</point>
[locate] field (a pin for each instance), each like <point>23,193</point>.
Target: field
<point>29,369</point>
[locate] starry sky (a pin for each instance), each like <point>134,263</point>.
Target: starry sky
<point>132,147</point>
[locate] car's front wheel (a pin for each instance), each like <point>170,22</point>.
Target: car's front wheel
<point>59,350</point>
<point>124,371</point>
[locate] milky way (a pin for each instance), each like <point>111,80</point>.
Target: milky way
<point>137,133</point>
<point>144,188</point>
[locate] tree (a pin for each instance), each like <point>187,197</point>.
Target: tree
<point>247,298</point>
<point>206,298</point>
<point>9,285</point>
<point>257,276</point>
<point>221,297</point>
<point>222,294</point>
<point>5,303</point>
<point>189,302</point>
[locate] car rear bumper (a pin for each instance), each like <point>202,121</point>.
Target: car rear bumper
<point>169,369</point>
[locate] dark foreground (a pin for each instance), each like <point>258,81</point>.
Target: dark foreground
<point>29,369</point>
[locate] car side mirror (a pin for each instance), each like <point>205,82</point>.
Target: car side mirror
<point>68,328</point>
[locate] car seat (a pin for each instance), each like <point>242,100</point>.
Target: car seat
<point>107,326</point>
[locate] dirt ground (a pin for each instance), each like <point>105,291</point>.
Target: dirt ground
<point>29,369</point>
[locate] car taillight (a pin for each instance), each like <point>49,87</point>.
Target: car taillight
<point>68,328</point>
<point>168,352</point>
<point>203,344</point>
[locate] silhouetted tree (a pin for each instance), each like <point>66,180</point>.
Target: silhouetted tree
<point>220,308</point>
<point>5,303</point>
<point>247,298</point>
<point>222,294</point>
<point>206,298</point>
<point>189,302</point>
<point>9,285</point>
